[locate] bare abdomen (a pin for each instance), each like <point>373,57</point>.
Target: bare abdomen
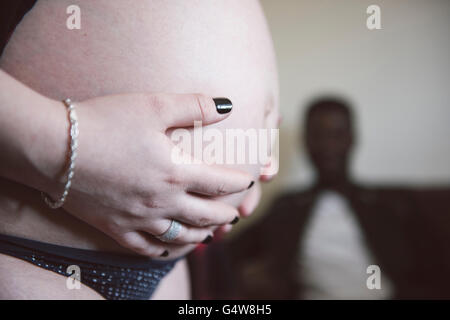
<point>219,48</point>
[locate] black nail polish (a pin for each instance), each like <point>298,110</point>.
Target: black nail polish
<point>207,240</point>
<point>223,105</point>
<point>164,254</point>
<point>251,184</point>
<point>235,220</point>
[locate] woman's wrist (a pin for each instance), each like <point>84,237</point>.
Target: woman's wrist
<point>48,149</point>
<point>33,136</point>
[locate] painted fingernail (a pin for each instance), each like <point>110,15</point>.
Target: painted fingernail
<point>251,184</point>
<point>207,240</point>
<point>235,220</point>
<point>164,254</point>
<point>223,105</point>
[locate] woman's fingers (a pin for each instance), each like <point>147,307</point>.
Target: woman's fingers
<point>202,212</point>
<point>215,180</point>
<point>251,201</point>
<point>208,179</point>
<point>191,235</point>
<point>185,234</point>
<point>144,244</point>
<point>147,245</point>
<point>221,231</point>
<point>269,171</point>
<point>181,110</point>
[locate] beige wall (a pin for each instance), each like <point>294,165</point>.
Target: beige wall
<point>398,79</point>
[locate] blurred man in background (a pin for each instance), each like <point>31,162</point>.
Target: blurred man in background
<point>323,243</point>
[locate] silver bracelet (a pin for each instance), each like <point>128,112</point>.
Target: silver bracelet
<point>73,120</point>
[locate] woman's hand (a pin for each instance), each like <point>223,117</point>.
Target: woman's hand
<point>251,200</point>
<point>125,182</point>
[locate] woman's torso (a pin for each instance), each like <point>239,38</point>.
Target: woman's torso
<point>220,48</point>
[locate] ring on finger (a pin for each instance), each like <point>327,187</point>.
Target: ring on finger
<point>171,233</point>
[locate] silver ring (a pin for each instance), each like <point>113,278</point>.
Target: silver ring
<point>171,233</point>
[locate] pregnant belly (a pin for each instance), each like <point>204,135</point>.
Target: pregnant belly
<point>219,48</point>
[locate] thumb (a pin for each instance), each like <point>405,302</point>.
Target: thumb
<point>181,110</point>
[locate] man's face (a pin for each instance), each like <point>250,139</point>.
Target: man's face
<point>329,140</point>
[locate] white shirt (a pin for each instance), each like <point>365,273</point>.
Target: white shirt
<point>334,257</point>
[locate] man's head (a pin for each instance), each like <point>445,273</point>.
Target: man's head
<point>329,138</point>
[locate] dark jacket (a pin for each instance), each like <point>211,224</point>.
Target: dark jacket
<point>397,226</point>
